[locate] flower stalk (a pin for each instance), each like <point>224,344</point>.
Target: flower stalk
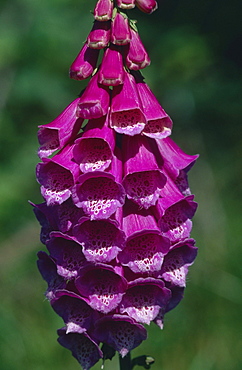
<point>117,209</point>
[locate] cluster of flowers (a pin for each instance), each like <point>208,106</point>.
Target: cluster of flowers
<point>116,218</point>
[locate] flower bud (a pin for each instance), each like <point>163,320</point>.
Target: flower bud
<point>103,10</point>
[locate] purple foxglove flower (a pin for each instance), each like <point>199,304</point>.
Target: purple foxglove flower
<point>145,246</point>
<point>146,6</point>
<point>103,10</point>
<point>177,261</point>
<point>56,134</point>
<point>126,4</point>
<point>175,160</point>
<point>48,270</point>
<point>46,218</point>
<point>127,116</point>
<point>101,240</point>
<point>60,217</point>
<point>85,350</point>
<point>143,179</point>
<point>144,299</point>
<point>99,193</point>
<point>77,315</point>
<point>120,30</point>
<point>176,223</point>
<point>99,36</point>
<point>121,332</point>
<point>94,150</point>
<point>94,102</point>
<point>67,253</point>
<point>84,64</point>
<point>176,296</point>
<point>137,57</point>
<point>111,72</point>
<point>158,124</point>
<point>102,286</point>
<point>57,176</point>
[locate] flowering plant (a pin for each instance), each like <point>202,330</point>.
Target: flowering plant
<point>117,210</point>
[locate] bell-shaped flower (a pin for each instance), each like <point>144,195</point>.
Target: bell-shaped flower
<point>56,134</point>
<point>94,150</point>
<point>175,266</point>
<point>175,160</point>
<point>99,37</point>
<point>101,240</point>
<point>48,270</point>
<point>94,101</point>
<point>126,115</point>
<point>85,350</point>
<point>146,6</point>
<point>145,246</point>
<point>67,253</point>
<point>120,30</point>
<point>158,124</point>
<point>84,64</point>
<point>121,332</point>
<point>126,4</point>
<point>143,179</point>
<point>103,10</point>
<point>100,193</point>
<point>60,217</point>
<point>111,72</point>
<point>57,176</point>
<point>102,286</point>
<point>144,299</point>
<point>176,222</point>
<point>77,315</point>
<point>177,293</point>
<point>136,55</point>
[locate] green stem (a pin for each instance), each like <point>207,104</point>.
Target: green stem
<point>125,362</point>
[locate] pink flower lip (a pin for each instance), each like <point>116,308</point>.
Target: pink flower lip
<point>103,10</point>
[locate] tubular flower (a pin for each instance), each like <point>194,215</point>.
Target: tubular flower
<point>117,212</point>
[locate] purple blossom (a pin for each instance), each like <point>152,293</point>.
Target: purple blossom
<point>103,10</point>
<point>117,212</point>
<point>84,64</point>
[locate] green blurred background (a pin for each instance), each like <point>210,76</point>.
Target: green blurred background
<point>195,47</point>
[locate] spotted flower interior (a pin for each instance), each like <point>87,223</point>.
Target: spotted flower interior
<point>117,209</point>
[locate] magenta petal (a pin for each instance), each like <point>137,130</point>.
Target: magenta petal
<point>120,30</point>
<point>99,36</point>
<point>83,348</point>
<point>127,116</point>
<point>144,299</point>
<point>76,313</point>
<point>145,247</point>
<point>101,240</point>
<point>48,270</point>
<point>67,254</point>
<point>147,6</point>
<point>177,261</point>
<point>57,176</point>
<point>176,222</point>
<point>102,286</point>
<point>111,72</point>
<point>56,134</point>
<point>94,102</point>
<point>84,64</point>
<point>137,57</point>
<point>143,179</point>
<point>94,150</point>
<point>100,193</point>
<point>121,332</point>
<point>103,10</point>
<point>158,124</point>
<point>126,4</point>
<point>174,158</point>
